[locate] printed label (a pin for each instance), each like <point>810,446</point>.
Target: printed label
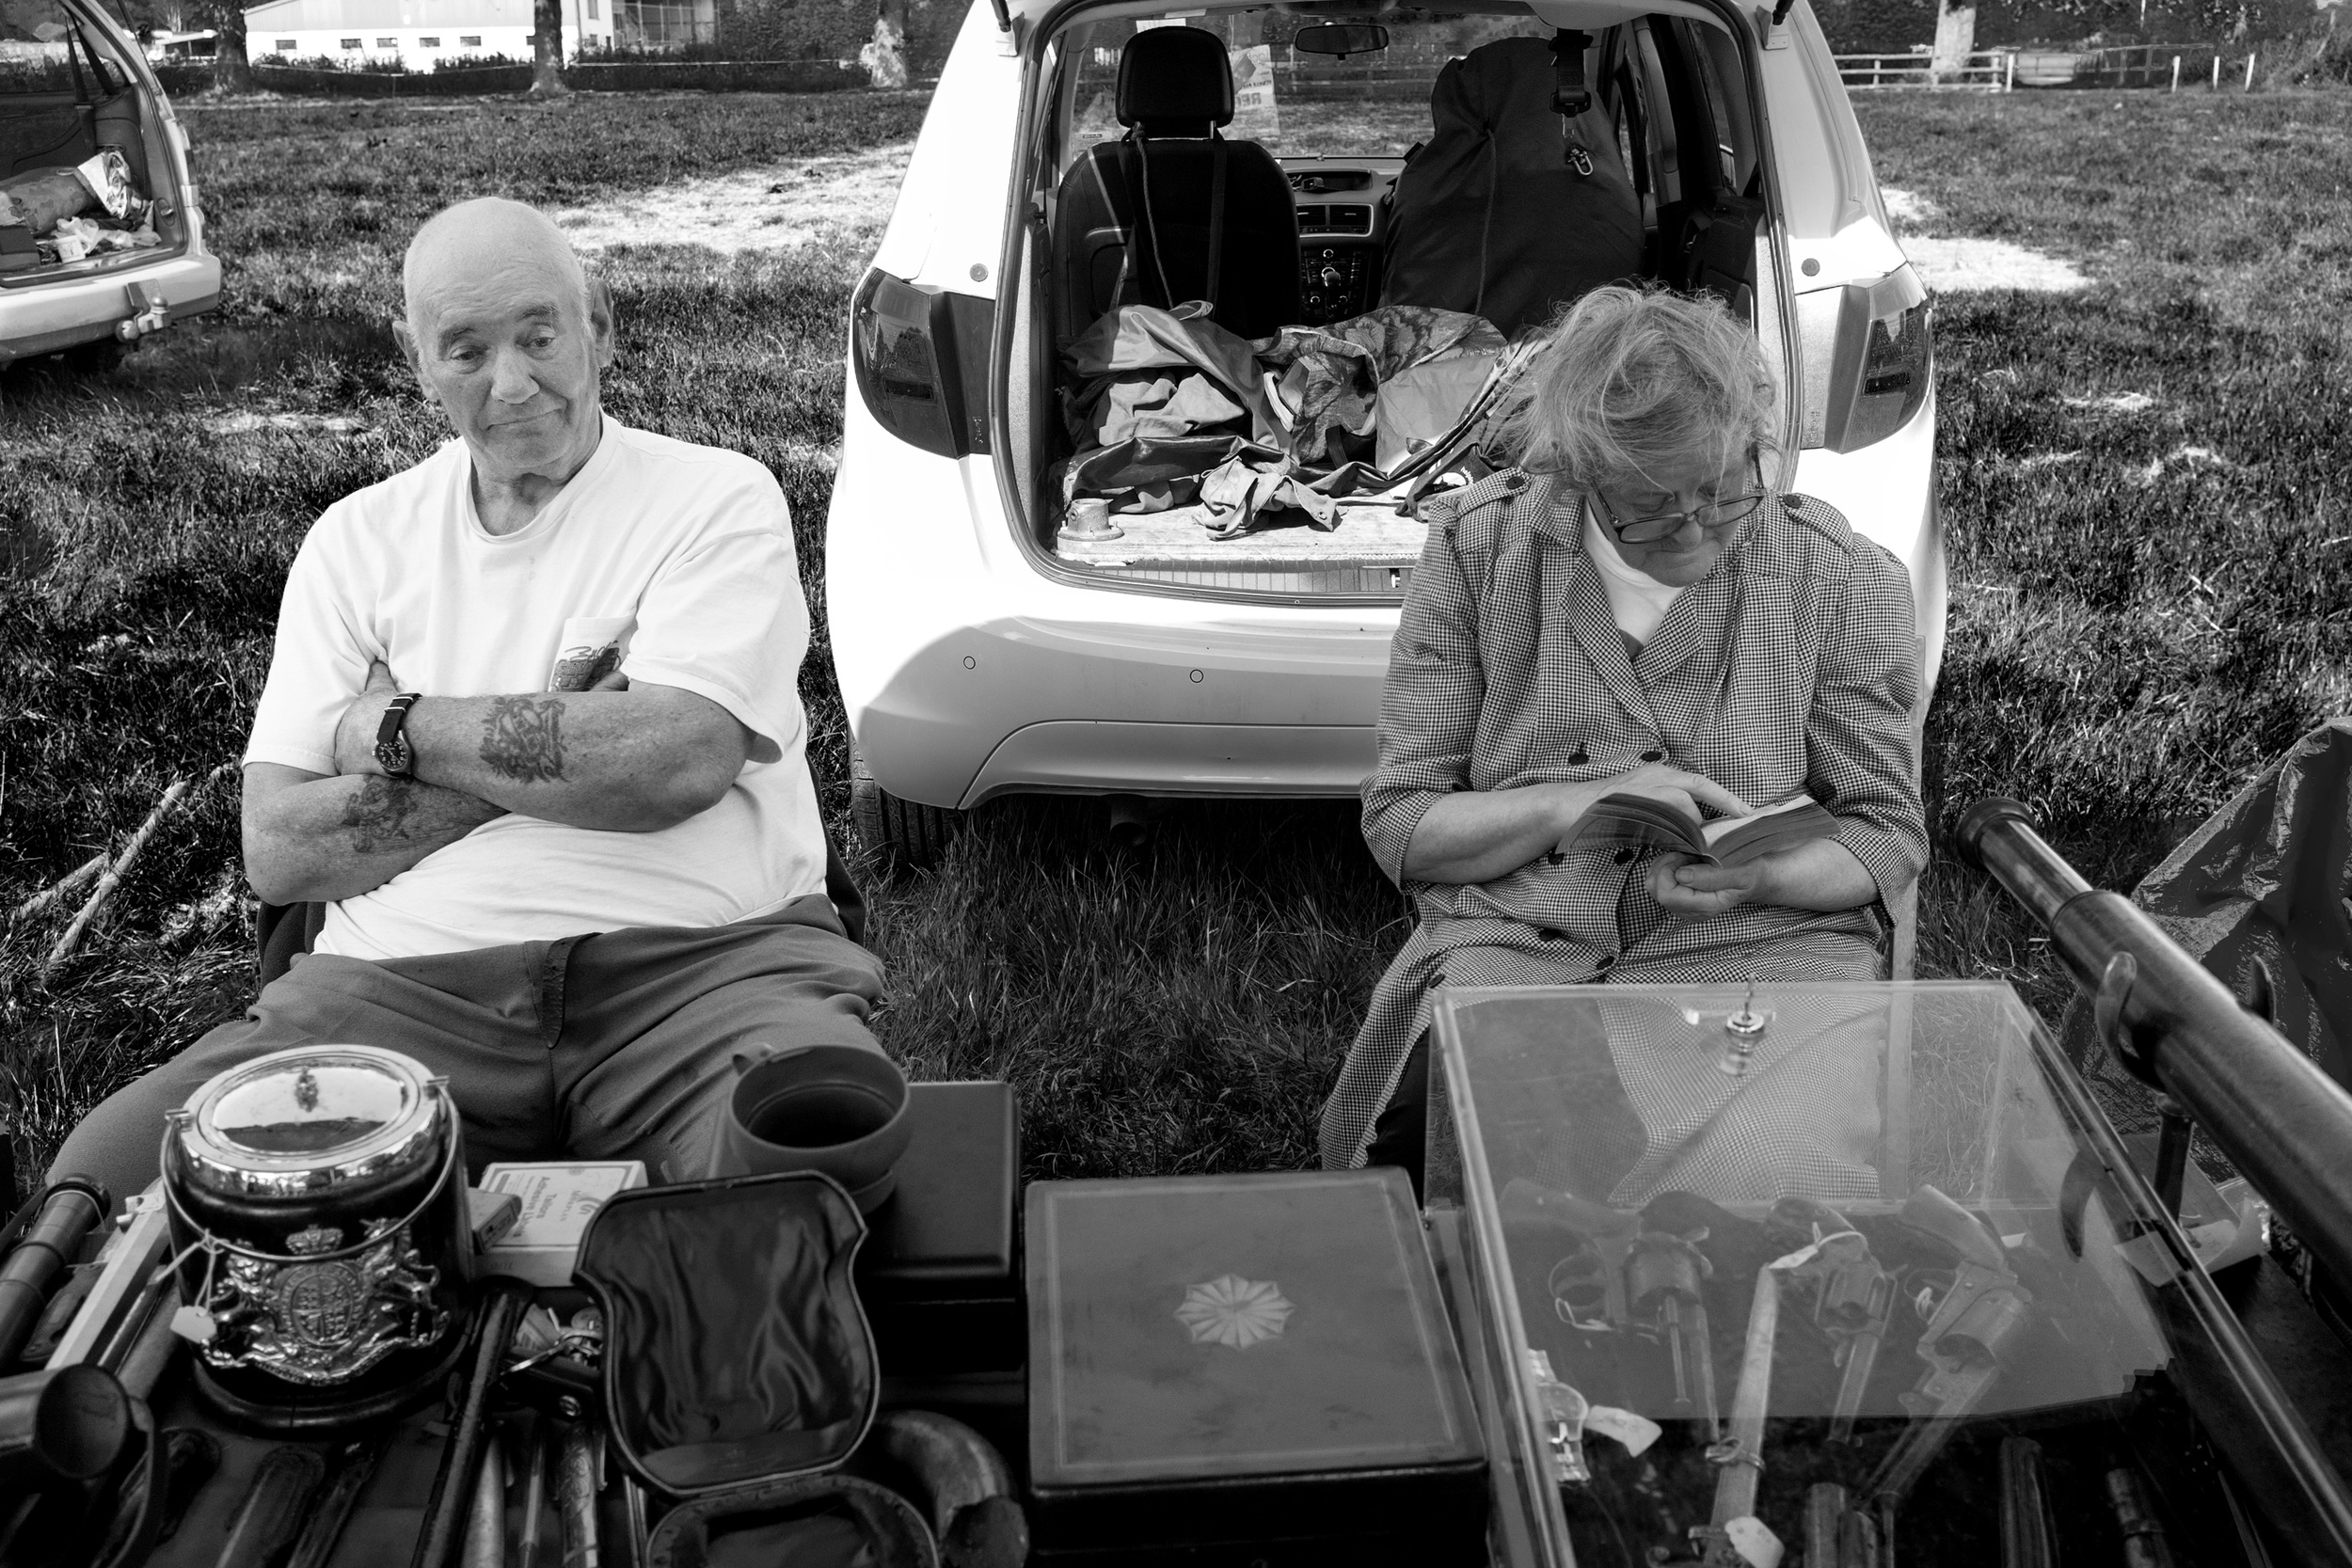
<point>590,649</point>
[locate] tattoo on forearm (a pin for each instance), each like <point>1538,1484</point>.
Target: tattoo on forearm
<point>383,815</point>
<point>522,738</point>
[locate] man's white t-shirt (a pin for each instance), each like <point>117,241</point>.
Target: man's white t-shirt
<point>673,560</point>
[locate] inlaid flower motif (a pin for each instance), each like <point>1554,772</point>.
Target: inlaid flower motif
<point>1230,1310</point>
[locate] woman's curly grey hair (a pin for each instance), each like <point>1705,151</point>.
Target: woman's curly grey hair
<point>1635,381</point>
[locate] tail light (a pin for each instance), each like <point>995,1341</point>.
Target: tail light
<point>1868,359</point>
<point>920,356</point>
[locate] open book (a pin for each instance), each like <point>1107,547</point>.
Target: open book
<point>1726,841</point>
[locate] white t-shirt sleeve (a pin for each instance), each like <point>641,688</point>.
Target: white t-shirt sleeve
<point>321,660</point>
<point>725,619</point>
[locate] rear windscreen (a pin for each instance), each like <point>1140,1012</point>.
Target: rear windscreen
<point>42,52</point>
<point>1294,103</point>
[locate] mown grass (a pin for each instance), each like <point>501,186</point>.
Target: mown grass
<point>2147,604</point>
<point>149,514</point>
<point>2136,629</point>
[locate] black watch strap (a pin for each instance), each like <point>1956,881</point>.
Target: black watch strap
<point>392,750</point>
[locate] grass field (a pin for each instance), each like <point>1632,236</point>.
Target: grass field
<point>2144,485</point>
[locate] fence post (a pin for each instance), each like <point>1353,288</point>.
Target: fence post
<point>2249,66</point>
<point>2009,80</point>
<point>2216,70</point>
<point>2176,73</point>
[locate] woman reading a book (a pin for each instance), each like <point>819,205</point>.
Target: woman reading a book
<point>1608,655</point>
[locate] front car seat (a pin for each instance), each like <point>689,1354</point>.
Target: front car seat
<point>1174,211</point>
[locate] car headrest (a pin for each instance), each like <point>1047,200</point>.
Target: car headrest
<point>1175,82</point>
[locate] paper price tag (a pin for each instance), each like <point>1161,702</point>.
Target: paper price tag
<point>1755,1541</point>
<point>1637,1433</point>
<point>194,1325</point>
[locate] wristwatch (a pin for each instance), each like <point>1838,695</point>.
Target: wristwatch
<point>392,750</point>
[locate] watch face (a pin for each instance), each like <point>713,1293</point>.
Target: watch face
<point>393,756</point>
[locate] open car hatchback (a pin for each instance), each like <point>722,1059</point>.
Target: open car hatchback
<point>1183,314</point>
<point>100,239</point>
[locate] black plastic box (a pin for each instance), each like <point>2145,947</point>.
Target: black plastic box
<point>1245,1369</point>
<point>940,1273</point>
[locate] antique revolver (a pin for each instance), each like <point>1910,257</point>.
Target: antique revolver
<point>1974,1324</point>
<point>1587,1284</point>
<point>1664,1274</point>
<point>1628,1275</point>
<point>1854,1296</point>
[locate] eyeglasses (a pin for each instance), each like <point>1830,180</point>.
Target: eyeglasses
<point>1665,525</point>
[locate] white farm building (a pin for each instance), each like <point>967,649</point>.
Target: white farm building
<point>421,34</point>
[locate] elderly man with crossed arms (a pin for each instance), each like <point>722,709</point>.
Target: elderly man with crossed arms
<point>532,735</point>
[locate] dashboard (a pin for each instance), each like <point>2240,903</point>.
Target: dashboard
<point>1342,232</point>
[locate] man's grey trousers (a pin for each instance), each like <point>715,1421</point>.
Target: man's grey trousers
<point>613,1046</point>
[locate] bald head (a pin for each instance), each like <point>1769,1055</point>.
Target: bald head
<point>484,240</point>
<point>509,335</point>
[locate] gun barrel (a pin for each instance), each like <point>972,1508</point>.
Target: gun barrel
<point>1862,1357</point>
<point>2028,1535</point>
<point>2279,1118</point>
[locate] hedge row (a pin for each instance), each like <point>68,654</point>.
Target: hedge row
<point>603,76</point>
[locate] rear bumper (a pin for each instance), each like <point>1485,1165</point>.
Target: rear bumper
<point>1077,758</point>
<point>43,318</point>
<point>1023,704</point>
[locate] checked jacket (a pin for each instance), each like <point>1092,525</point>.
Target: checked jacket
<point>1793,665</point>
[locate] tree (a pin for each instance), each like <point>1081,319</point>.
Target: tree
<point>546,49</point>
<point>885,57</point>
<point>1955,39</point>
<point>232,70</point>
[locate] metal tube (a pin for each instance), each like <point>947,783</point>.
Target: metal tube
<point>534,1493</point>
<point>2282,1121</point>
<point>578,1462</point>
<point>70,1210</point>
<point>2027,1536</point>
<point>486,1522</point>
<point>63,1424</point>
<point>503,1305</point>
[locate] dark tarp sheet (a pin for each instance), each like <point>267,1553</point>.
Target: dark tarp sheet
<point>2265,878</point>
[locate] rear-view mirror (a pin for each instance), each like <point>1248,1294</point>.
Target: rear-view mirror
<point>1341,38</point>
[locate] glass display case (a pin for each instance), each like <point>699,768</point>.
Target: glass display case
<point>1848,1273</point>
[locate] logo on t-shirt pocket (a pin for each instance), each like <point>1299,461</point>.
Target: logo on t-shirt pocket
<point>590,649</point>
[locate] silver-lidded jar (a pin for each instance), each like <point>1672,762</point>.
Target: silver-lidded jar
<point>317,1201</point>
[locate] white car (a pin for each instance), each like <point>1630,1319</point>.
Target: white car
<point>76,94</point>
<point>982,652</point>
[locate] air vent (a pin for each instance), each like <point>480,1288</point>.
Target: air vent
<point>1313,217</point>
<point>1317,182</point>
<point>1351,220</point>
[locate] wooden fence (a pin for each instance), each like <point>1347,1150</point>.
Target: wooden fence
<point>1987,70</point>
<point>2134,65</point>
<point>2148,65</point>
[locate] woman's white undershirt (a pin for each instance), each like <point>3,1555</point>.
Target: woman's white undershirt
<point>1637,601</point>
